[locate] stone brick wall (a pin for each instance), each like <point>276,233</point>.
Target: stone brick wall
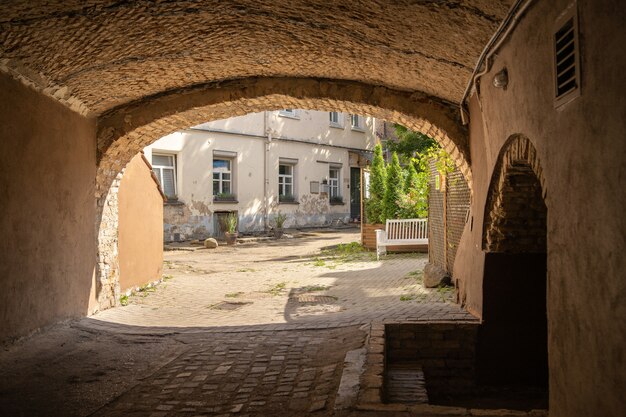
<point>445,351</point>
<point>516,213</point>
<point>107,226</point>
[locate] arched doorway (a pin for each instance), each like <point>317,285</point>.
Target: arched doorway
<point>124,131</point>
<point>513,338</point>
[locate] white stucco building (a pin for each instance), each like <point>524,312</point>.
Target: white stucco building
<point>304,164</point>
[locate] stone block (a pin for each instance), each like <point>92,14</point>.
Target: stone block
<point>210,243</point>
<point>435,276</point>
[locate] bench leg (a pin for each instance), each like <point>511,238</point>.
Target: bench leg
<point>380,250</point>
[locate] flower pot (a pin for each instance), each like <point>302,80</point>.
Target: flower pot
<point>278,233</point>
<point>231,238</point>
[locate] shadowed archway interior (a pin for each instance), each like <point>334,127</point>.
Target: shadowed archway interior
<point>513,344</point>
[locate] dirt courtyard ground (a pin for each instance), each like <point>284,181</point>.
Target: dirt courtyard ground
<point>257,329</point>
<point>302,282</point>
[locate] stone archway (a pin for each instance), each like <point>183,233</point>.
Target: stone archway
<point>514,222</point>
<point>513,341</point>
<point>124,131</point>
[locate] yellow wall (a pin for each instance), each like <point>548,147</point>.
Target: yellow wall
<point>140,226</point>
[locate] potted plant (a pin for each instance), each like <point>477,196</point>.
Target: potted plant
<point>231,228</point>
<point>287,198</point>
<point>280,222</point>
<point>224,197</point>
<point>336,199</point>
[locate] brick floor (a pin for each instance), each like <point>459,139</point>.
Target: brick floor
<point>265,373</point>
<point>289,283</point>
<point>255,330</point>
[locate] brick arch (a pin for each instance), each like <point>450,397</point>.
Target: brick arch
<point>515,212</point>
<point>124,131</point>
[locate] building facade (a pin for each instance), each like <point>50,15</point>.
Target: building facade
<point>302,164</point>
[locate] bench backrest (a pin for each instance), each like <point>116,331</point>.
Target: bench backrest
<point>407,229</point>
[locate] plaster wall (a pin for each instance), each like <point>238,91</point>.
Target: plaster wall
<point>582,150</point>
<point>140,226</point>
<point>302,140</point>
<point>314,126</point>
<point>47,211</point>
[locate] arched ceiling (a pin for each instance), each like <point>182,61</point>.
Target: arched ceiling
<point>97,55</point>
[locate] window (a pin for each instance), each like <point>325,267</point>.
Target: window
<point>164,167</point>
<point>222,178</point>
<point>288,113</point>
<point>566,59</point>
<point>335,119</point>
<point>334,189</point>
<point>356,122</point>
<point>285,183</point>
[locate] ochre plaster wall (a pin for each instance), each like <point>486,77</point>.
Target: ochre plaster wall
<point>582,150</point>
<point>47,210</point>
<point>140,226</point>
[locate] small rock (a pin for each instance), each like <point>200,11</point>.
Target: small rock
<point>435,276</point>
<point>210,243</point>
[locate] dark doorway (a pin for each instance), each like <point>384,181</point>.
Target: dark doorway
<point>355,193</point>
<point>513,339</point>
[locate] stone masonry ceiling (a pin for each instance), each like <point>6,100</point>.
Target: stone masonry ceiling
<point>103,54</point>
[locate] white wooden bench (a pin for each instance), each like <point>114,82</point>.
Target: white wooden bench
<point>401,232</point>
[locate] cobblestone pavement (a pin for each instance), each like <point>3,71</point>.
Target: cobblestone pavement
<point>297,283</point>
<point>263,373</point>
<point>255,330</point>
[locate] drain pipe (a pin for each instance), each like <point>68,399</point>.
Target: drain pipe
<point>266,155</point>
<point>498,38</point>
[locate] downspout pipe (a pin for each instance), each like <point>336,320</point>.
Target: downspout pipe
<point>266,151</point>
<point>498,38</point>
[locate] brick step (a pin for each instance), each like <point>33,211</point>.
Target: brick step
<point>405,384</point>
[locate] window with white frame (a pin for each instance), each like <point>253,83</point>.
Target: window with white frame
<point>288,113</point>
<point>335,119</point>
<point>222,178</point>
<point>334,182</point>
<point>285,182</point>
<point>164,167</point>
<point>356,122</point>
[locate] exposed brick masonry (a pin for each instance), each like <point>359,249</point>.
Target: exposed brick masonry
<point>515,213</point>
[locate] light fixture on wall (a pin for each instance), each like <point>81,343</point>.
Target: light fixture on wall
<point>501,79</point>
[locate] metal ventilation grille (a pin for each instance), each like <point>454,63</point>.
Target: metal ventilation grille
<point>566,59</point>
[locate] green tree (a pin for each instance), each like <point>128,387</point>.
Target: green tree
<point>410,183</point>
<point>394,190</point>
<point>410,143</point>
<point>374,204</point>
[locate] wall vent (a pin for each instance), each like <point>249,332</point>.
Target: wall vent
<point>566,59</point>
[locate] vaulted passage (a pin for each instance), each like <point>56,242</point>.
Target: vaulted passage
<point>85,85</point>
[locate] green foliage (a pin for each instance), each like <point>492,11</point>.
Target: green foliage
<point>394,190</point>
<point>279,219</point>
<point>414,202</point>
<point>410,143</point>
<point>410,181</point>
<point>374,204</point>
<point>231,222</point>
<point>234,294</point>
<point>277,289</point>
<point>124,300</point>
<point>403,194</point>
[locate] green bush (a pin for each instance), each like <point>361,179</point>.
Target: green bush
<point>374,204</point>
<point>394,190</point>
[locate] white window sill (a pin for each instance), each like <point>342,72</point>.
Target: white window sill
<point>289,116</point>
<point>357,129</point>
<point>336,125</point>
